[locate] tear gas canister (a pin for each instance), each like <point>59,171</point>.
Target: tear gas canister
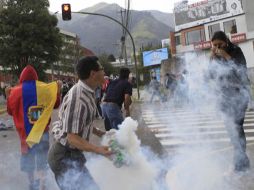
<point>119,156</point>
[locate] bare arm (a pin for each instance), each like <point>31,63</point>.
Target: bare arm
<point>58,98</point>
<point>82,144</point>
<point>127,103</point>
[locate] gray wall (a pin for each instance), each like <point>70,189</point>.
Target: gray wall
<point>248,7</point>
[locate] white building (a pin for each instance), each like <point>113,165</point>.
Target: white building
<point>64,68</point>
<point>196,23</point>
<point>121,63</point>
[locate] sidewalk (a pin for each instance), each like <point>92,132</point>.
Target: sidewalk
<point>2,105</point>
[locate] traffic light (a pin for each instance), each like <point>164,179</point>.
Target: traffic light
<point>66,11</point>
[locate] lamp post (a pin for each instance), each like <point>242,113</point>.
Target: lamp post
<point>132,41</point>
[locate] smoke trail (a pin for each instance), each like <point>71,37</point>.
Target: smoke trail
<point>139,175</point>
<point>198,166</point>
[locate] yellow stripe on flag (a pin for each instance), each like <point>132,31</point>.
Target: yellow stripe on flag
<point>46,97</point>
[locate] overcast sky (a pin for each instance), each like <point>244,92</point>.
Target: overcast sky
<point>76,5</point>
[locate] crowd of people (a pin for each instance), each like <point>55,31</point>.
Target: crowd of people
<point>175,88</point>
<point>31,103</point>
<point>95,95</point>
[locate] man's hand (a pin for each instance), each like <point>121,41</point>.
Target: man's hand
<point>82,144</point>
<point>103,150</point>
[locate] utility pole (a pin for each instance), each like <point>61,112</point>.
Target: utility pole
<point>126,30</point>
<point>123,53</point>
<point>132,41</point>
<point>125,15</point>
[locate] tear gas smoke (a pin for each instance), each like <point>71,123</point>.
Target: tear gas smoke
<point>138,175</point>
<point>200,166</point>
<point>198,163</point>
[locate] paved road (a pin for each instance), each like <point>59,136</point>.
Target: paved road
<point>11,178</point>
<point>166,128</point>
<point>199,147</point>
<point>178,126</point>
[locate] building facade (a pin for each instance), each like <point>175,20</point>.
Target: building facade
<point>70,51</point>
<point>70,54</point>
<point>196,23</point>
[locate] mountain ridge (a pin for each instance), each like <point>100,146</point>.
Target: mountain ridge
<point>102,35</point>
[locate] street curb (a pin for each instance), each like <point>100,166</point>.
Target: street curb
<point>147,138</point>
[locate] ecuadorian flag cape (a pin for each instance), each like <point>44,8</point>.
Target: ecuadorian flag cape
<point>37,103</point>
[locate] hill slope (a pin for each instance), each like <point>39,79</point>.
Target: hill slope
<point>101,34</point>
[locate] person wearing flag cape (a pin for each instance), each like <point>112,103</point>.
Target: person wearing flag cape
<point>31,103</point>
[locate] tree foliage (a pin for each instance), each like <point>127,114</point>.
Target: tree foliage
<point>108,68</point>
<point>28,35</point>
<point>111,58</point>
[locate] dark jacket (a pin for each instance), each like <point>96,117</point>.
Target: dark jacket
<point>231,75</point>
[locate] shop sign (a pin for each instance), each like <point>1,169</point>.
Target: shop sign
<point>190,15</point>
<point>236,38</point>
<point>203,45</point>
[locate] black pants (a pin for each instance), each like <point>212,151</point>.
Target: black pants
<point>234,111</point>
<point>68,165</point>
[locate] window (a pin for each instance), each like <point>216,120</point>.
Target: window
<point>212,29</point>
<point>194,36</point>
<point>230,27</point>
<point>178,40</point>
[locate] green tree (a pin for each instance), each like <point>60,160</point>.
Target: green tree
<point>111,57</point>
<point>28,35</point>
<point>2,2</point>
<point>108,68</point>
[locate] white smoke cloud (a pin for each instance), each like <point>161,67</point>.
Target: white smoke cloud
<point>140,174</point>
<point>200,166</point>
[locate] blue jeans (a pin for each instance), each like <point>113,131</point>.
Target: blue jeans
<point>112,115</point>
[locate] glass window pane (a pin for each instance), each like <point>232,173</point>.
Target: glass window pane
<point>178,40</point>
<point>212,29</point>
<point>194,36</point>
<point>230,27</point>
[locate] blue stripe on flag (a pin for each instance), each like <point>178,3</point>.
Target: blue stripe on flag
<point>29,99</point>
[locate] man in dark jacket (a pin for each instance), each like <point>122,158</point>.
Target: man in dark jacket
<point>119,92</point>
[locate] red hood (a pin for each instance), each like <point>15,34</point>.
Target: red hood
<point>28,73</point>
